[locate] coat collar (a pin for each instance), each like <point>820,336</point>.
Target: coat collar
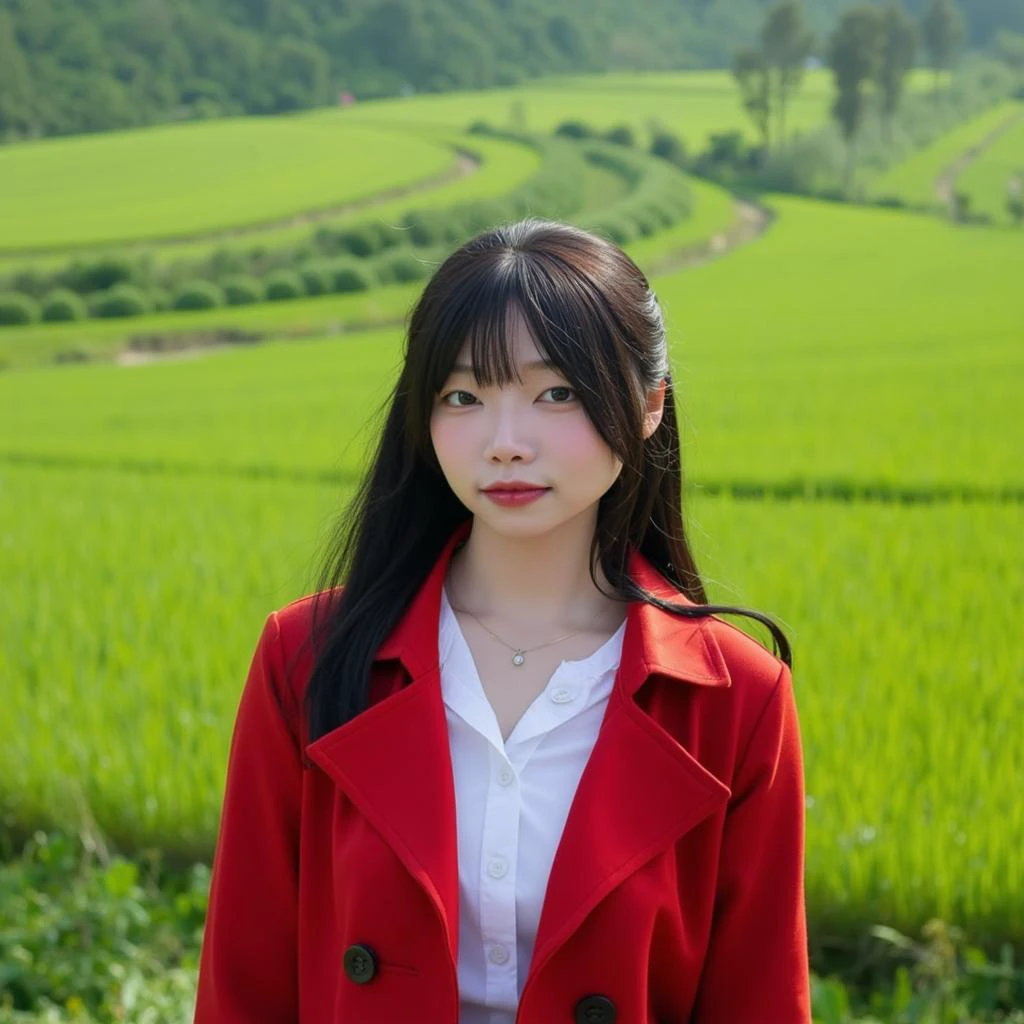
<point>660,642</point>
<point>640,791</point>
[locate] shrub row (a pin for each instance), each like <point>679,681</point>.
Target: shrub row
<point>659,195</point>
<point>126,299</point>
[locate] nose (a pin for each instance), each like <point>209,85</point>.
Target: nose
<point>508,441</point>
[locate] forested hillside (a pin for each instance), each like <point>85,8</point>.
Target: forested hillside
<point>101,64</point>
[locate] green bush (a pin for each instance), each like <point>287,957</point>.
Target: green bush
<point>349,276</point>
<point>88,276</point>
<point>198,295</point>
<point>613,229</point>
<point>400,267</point>
<point>284,284</point>
<point>16,308</point>
<point>30,281</point>
<point>64,304</point>
<point>365,239</point>
<point>667,146</point>
<point>121,300</point>
<point>426,227</point>
<point>241,290</point>
<point>98,939</point>
<point>480,215</point>
<point>159,299</point>
<point>575,130</point>
<point>620,135</point>
<point>225,262</point>
<point>317,278</point>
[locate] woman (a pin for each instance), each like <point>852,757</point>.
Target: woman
<point>514,769</point>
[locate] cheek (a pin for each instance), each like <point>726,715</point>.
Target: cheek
<point>451,444</point>
<point>577,440</point>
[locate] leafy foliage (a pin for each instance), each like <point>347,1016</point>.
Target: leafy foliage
<point>68,68</point>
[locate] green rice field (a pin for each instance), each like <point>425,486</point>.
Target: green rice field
<point>190,178</point>
<point>848,385</point>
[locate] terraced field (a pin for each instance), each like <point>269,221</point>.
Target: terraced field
<point>914,180</point>
<point>186,179</point>
<point>998,170</point>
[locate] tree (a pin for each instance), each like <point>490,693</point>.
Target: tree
<point>1009,48</point>
<point>853,54</point>
<point>751,74</point>
<point>786,43</point>
<point>15,83</point>
<point>942,30</point>
<point>899,43</point>
<point>1015,198</point>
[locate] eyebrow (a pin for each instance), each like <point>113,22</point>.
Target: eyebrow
<point>533,364</point>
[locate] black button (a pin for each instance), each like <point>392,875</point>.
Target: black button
<point>360,964</point>
<point>595,1010</point>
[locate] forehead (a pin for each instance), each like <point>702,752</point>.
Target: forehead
<point>517,340</point>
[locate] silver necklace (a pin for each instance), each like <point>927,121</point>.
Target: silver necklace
<point>519,653</point>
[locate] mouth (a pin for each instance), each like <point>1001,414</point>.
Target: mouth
<point>513,494</point>
<point>513,487</point>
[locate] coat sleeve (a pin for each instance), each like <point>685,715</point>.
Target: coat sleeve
<point>248,959</point>
<point>756,968</point>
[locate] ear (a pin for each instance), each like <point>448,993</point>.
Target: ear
<point>655,408</point>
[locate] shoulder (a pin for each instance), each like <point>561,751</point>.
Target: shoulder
<point>748,662</point>
<point>286,644</point>
<point>758,680</point>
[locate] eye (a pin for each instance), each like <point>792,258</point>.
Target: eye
<point>562,395</point>
<point>457,405</point>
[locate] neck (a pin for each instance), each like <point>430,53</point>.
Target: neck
<point>539,584</point>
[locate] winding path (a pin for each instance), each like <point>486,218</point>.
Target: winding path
<point>750,222</point>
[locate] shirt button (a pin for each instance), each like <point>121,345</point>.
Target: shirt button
<point>497,868</point>
<point>562,695</point>
<point>498,954</point>
<point>506,775</point>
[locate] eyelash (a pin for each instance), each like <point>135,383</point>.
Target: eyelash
<point>462,391</point>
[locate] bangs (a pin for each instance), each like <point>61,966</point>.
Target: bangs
<point>561,314</point>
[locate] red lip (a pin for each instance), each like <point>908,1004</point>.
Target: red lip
<point>514,485</point>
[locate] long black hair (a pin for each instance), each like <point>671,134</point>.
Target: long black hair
<point>591,312</point>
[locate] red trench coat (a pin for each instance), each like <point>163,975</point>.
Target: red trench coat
<point>676,892</point>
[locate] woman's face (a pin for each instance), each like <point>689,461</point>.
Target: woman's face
<point>535,432</point>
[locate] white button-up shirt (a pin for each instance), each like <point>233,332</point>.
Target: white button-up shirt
<point>512,799</point>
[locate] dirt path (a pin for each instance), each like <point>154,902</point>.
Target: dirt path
<point>945,183</point>
<point>751,221</point>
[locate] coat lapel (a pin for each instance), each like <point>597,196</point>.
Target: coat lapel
<point>640,791</point>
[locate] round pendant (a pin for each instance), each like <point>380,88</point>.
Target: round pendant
<point>518,658</point>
